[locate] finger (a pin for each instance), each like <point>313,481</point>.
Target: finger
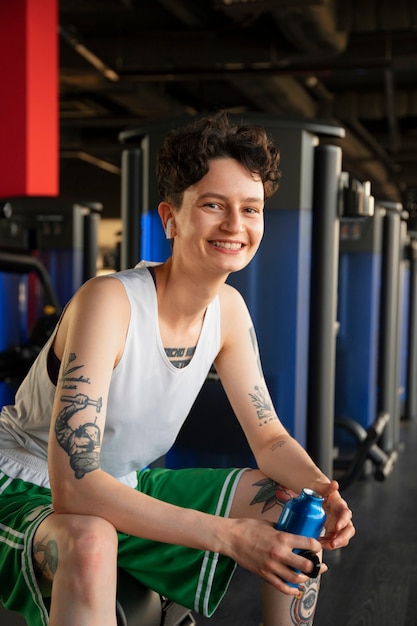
<point>300,542</point>
<point>311,564</point>
<point>290,574</point>
<point>337,511</point>
<point>281,582</point>
<point>333,540</point>
<point>292,581</point>
<point>287,589</point>
<point>329,489</point>
<point>344,520</point>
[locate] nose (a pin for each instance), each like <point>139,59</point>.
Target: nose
<point>232,222</point>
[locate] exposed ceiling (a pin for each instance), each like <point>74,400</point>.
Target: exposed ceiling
<point>126,62</point>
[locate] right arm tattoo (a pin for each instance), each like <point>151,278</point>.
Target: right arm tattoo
<point>82,443</point>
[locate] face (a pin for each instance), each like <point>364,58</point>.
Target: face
<point>220,223</point>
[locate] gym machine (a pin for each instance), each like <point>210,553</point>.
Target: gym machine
<point>142,234</point>
<point>48,248</point>
<point>410,402</point>
<point>16,360</point>
<point>280,273</point>
<point>367,348</point>
<point>61,232</point>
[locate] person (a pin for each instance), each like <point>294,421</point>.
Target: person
<point>109,392</point>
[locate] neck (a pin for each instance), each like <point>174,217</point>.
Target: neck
<point>182,295</point>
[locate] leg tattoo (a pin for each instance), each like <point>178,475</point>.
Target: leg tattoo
<point>271,494</point>
<point>303,606</point>
<point>45,563</point>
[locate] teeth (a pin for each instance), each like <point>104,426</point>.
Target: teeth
<point>229,245</point>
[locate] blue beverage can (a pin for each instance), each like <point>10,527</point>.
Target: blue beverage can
<point>305,516</point>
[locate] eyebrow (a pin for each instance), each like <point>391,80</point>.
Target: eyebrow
<point>213,194</point>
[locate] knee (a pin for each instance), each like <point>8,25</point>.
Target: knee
<point>88,543</point>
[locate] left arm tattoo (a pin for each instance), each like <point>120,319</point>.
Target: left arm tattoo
<point>263,405</point>
<point>255,348</point>
<point>260,399</point>
<point>278,444</point>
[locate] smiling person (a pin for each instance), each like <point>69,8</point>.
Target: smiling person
<point>108,395</point>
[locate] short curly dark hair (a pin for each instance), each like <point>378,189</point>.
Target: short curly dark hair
<point>183,158</point>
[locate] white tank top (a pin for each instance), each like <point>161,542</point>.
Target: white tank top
<point>149,398</point>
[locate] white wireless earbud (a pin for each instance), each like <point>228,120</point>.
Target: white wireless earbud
<point>168,229</point>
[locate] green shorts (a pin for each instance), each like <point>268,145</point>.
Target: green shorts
<point>194,578</point>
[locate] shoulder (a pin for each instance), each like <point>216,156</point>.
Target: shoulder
<point>100,308</point>
<point>101,289</point>
<point>231,299</point>
<point>115,293</point>
<point>234,313</point>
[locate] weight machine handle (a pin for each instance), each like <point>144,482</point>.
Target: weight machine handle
<point>24,264</point>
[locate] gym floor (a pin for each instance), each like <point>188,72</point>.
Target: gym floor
<point>373,582</point>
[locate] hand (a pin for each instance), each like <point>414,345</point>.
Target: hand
<point>339,526</point>
<point>267,552</point>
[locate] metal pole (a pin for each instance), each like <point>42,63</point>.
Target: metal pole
<point>131,207</point>
<point>389,330</point>
<point>90,247</point>
<point>411,395</point>
<point>323,305</point>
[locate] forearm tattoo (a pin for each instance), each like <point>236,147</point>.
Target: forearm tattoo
<point>81,443</point>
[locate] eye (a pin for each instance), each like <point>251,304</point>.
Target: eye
<point>212,205</point>
<point>252,210</point>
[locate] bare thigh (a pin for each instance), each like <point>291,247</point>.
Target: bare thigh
<point>259,497</point>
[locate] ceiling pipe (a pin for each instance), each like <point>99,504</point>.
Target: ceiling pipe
<point>88,54</point>
<point>320,28</point>
<point>312,26</point>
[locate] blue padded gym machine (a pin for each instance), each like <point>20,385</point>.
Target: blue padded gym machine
<point>48,248</point>
<point>371,298</point>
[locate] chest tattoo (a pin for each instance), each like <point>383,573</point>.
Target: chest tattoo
<point>180,357</point>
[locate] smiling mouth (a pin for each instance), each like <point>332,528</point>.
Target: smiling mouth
<point>228,245</point>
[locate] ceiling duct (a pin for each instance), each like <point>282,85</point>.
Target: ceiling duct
<point>319,28</point>
<point>311,26</point>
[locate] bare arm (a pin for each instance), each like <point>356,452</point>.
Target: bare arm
<point>278,454</point>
